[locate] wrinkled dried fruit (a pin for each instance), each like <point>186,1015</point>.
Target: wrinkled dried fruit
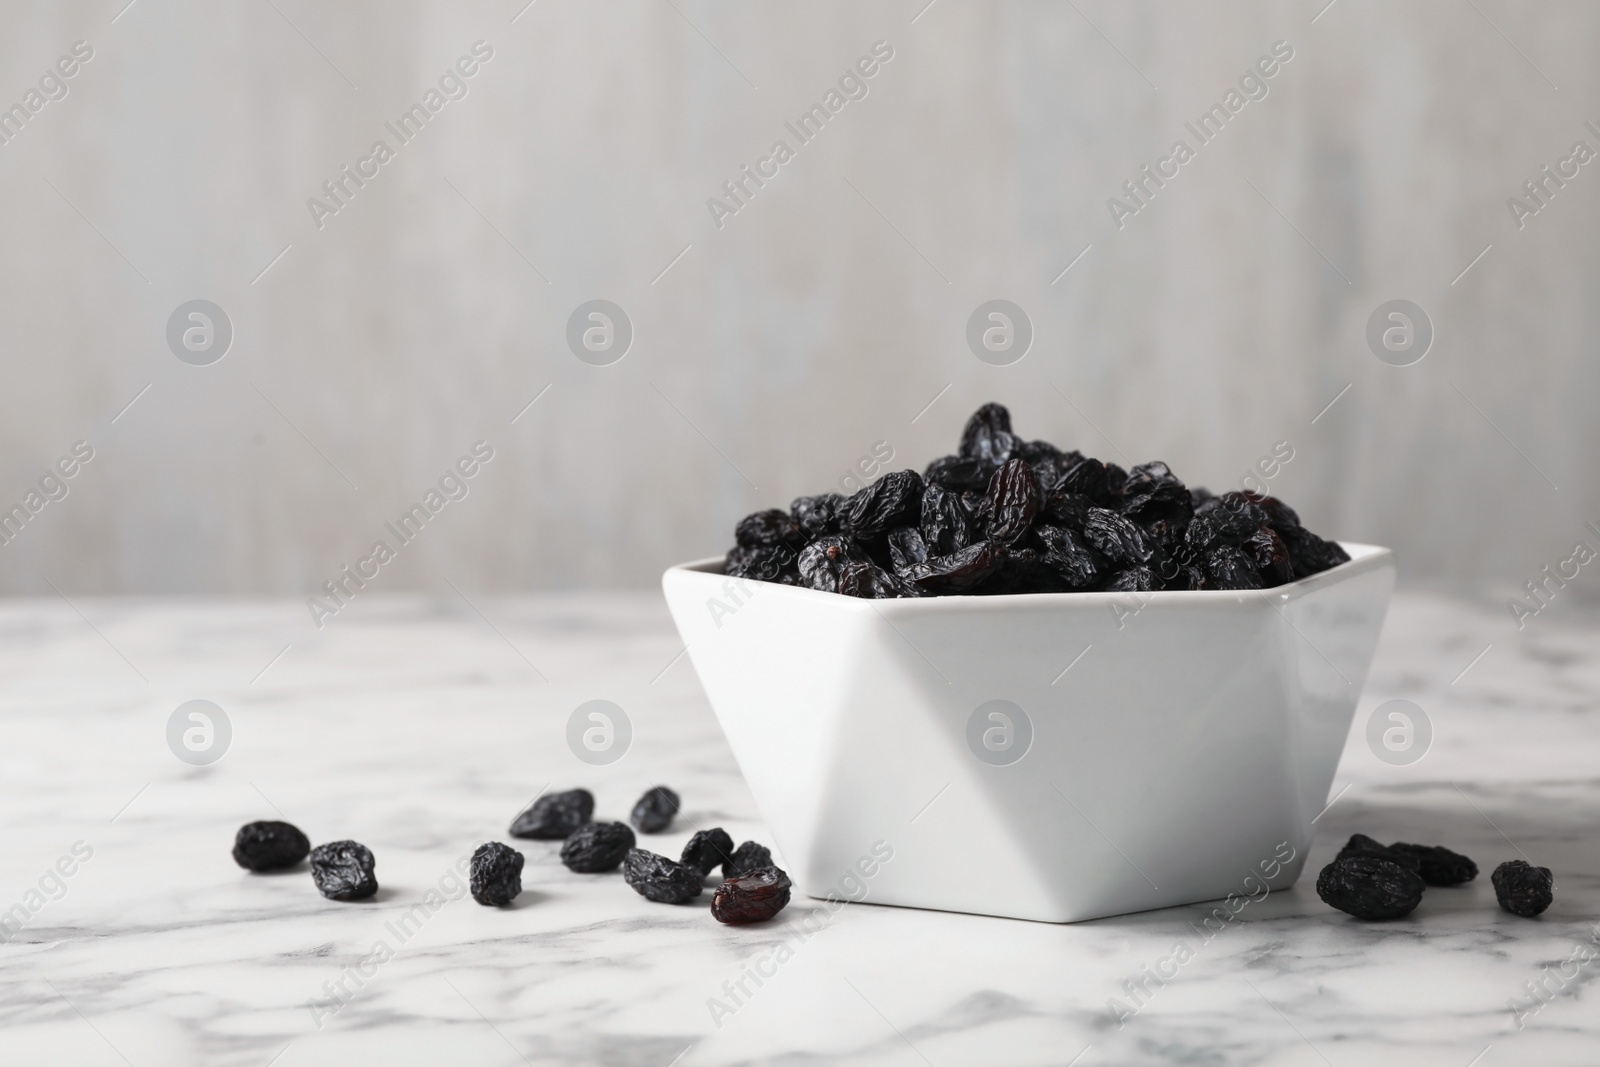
<point>1523,889</point>
<point>654,811</point>
<point>659,879</point>
<point>1362,845</point>
<point>988,521</point>
<point>747,857</point>
<point>707,850</point>
<point>957,572</point>
<point>893,500</point>
<point>752,897</point>
<point>1012,501</point>
<point>555,815</point>
<point>344,870</point>
<point>1369,887</point>
<point>496,874</point>
<point>269,846</point>
<point>1438,865</point>
<point>767,529</point>
<point>987,436</point>
<point>596,847</point>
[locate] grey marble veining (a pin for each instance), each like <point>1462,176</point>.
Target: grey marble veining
<point>420,728</point>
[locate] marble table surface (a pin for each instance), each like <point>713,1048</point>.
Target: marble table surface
<point>420,727</point>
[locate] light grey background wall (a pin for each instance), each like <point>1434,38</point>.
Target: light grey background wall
<point>822,318</point>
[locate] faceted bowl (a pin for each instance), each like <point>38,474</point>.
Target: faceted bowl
<point>1053,756</point>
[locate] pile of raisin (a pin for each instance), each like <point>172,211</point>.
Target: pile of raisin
<point>1004,515</point>
<point>1371,880</point>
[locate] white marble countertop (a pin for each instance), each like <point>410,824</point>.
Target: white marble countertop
<point>421,728</point>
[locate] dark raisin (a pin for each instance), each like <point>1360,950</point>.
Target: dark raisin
<point>987,435</point>
<point>767,529</point>
<point>1086,479</point>
<point>555,815</point>
<point>1266,550</point>
<point>893,500</point>
<point>654,811</point>
<point>496,876</point>
<point>344,870</point>
<point>269,846</point>
<point>1230,568</point>
<point>763,564</point>
<point>1116,538</point>
<point>906,547</point>
<point>1066,509</point>
<point>1369,887</point>
<point>1012,501</point>
<point>1310,554</point>
<point>1438,865</point>
<point>1362,845</point>
<point>1116,477</point>
<point>1078,565</point>
<point>957,572</point>
<point>817,515</point>
<point>1153,493</point>
<point>659,879</point>
<point>1235,515</point>
<point>1523,889</point>
<point>746,858</point>
<point>946,522</point>
<point>751,897</point>
<point>707,850</point>
<point>871,582</point>
<point>1201,536</point>
<point>1022,570</point>
<point>1134,580</point>
<point>958,474</point>
<point>596,847</point>
<point>1280,516</point>
<point>823,561</point>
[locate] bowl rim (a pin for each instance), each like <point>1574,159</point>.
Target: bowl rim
<point>1363,558</point>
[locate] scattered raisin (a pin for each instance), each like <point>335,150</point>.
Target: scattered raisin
<point>707,849</point>
<point>269,846</point>
<point>596,847</point>
<point>659,879</point>
<point>1438,865</point>
<point>747,857</point>
<point>496,874</point>
<point>1362,845</point>
<point>1523,889</point>
<point>751,897</point>
<point>654,811</point>
<point>344,870</point>
<point>555,815</point>
<point>1369,887</point>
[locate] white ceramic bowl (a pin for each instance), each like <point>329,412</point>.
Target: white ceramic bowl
<point>1150,749</point>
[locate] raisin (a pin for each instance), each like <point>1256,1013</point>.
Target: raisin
<point>1280,516</point>
<point>344,870</point>
<point>654,811</point>
<point>957,572</point>
<point>893,500</point>
<point>1230,568</point>
<point>555,815</point>
<point>1116,538</point>
<point>659,879</point>
<point>1012,501</point>
<point>1078,565</point>
<point>707,849</point>
<point>906,547</point>
<point>987,436</point>
<point>751,897</point>
<point>1236,516</point>
<point>496,874</point>
<point>957,474</point>
<point>1066,509</point>
<point>1087,479</point>
<point>269,846</point>
<point>870,582</point>
<point>1523,889</point>
<point>1369,887</point>
<point>1438,865</point>
<point>1266,550</point>
<point>823,561</point>
<point>596,847</point>
<point>1116,478</point>
<point>817,515</point>
<point>1152,493</point>
<point>1134,580</point>
<point>763,564</point>
<point>946,522</point>
<point>768,529</point>
<point>1310,554</point>
<point>746,858</point>
<point>1362,845</point>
